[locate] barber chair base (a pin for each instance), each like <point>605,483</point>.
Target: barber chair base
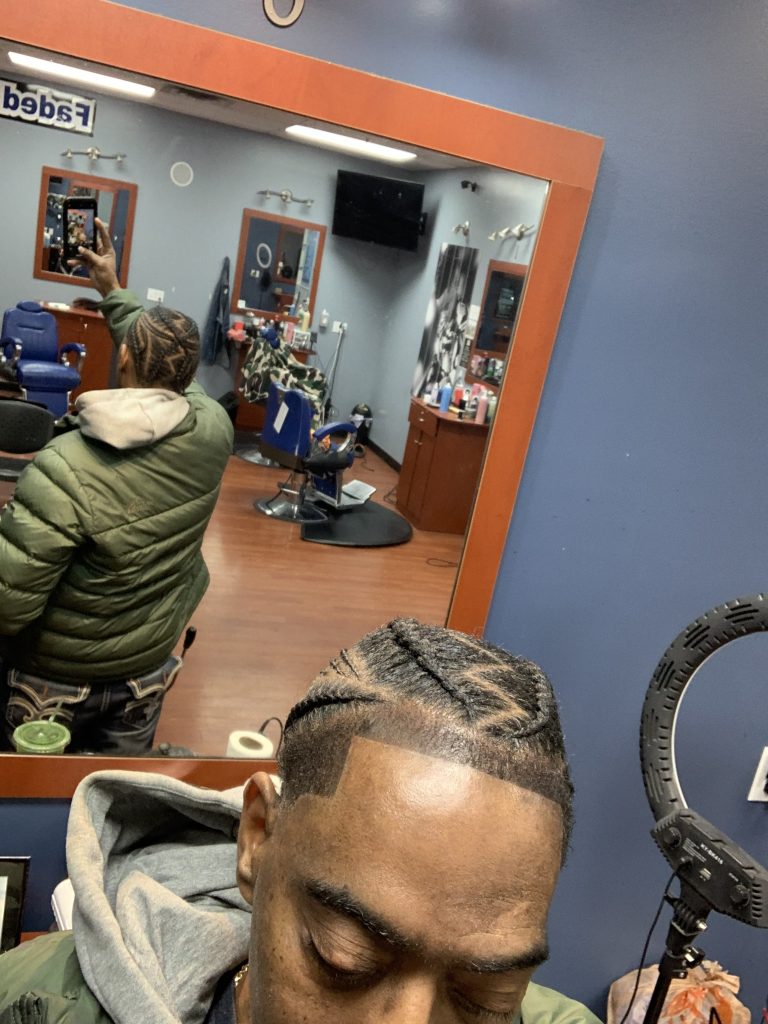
<point>254,455</point>
<point>290,504</point>
<point>282,508</point>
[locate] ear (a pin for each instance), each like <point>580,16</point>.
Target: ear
<point>257,823</point>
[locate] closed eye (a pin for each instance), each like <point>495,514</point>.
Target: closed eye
<point>344,976</point>
<point>482,1013</point>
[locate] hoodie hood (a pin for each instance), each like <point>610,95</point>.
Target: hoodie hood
<point>130,417</point>
<point>158,918</point>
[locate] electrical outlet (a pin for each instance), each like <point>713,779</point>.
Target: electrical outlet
<point>336,326</point>
<point>757,791</point>
<point>155,295</point>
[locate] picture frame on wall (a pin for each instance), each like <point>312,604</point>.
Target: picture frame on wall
<point>13,886</point>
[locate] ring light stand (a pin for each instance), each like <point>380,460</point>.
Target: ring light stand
<point>713,871</point>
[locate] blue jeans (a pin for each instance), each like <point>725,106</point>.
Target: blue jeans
<point>106,718</point>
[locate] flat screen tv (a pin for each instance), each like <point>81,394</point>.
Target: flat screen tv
<point>382,210</point>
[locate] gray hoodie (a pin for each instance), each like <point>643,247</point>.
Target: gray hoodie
<point>158,917</point>
<point>130,417</point>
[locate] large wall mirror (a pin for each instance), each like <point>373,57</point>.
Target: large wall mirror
<point>116,206</point>
<point>278,265</point>
<point>279,608</point>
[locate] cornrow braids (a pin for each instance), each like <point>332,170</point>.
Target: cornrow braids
<point>165,348</point>
<point>437,691</point>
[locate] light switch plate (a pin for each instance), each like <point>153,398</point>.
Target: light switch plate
<point>155,295</point>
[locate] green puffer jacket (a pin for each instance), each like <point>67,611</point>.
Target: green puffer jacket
<point>41,983</point>
<point>100,560</point>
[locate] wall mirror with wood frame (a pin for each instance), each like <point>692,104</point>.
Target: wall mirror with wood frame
<point>116,206</point>
<point>267,624</point>
<point>278,265</point>
<point>502,297</point>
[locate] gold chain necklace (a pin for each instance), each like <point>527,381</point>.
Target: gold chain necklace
<point>241,974</point>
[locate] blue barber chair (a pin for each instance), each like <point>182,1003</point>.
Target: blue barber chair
<point>30,347</point>
<point>316,467</point>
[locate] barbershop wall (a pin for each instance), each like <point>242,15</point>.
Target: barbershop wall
<point>645,493</point>
<point>406,281</point>
<point>182,235</point>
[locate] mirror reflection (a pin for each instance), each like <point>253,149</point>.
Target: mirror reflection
<point>502,296</point>
<point>116,205</point>
<point>278,265</point>
<point>390,327</point>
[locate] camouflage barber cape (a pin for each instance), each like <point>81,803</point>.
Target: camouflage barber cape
<point>265,364</point>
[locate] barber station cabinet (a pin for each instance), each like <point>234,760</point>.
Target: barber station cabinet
<point>89,328</point>
<point>441,468</point>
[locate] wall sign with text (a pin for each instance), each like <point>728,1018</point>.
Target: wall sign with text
<point>37,104</point>
<point>283,20</point>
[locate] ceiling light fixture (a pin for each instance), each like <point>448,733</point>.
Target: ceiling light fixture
<point>98,81</point>
<point>349,144</point>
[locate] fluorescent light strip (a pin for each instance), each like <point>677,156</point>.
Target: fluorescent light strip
<point>98,81</point>
<point>348,144</point>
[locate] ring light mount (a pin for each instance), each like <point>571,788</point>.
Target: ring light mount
<point>714,872</point>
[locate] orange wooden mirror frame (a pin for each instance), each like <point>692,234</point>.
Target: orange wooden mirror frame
<point>76,179</point>
<point>147,44</point>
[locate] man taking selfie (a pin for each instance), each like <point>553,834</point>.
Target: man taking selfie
<point>403,873</point>
<point>100,560</point>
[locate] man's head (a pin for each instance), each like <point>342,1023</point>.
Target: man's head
<point>161,349</point>
<point>405,872</point>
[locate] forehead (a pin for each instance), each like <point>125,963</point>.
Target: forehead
<point>429,843</point>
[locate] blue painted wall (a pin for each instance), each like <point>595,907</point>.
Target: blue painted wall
<point>645,494</point>
<point>36,829</point>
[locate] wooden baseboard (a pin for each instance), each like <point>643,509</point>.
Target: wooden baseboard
<point>384,456</point>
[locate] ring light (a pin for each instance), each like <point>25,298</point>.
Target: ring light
<point>714,872</point>
<point>263,255</point>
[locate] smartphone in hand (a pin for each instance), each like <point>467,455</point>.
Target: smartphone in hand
<point>80,213</point>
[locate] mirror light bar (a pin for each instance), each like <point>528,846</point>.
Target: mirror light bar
<point>98,81</point>
<point>348,144</point>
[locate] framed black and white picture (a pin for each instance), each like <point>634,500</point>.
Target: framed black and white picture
<point>443,338</point>
<point>13,884</point>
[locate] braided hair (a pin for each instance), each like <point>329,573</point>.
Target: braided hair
<point>165,348</point>
<point>436,691</point>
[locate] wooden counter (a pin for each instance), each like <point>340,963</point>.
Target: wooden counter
<point>441,467</point>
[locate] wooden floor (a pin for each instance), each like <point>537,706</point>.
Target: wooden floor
<point>278,608</point>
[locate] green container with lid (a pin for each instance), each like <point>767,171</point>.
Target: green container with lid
<point>46,737</point>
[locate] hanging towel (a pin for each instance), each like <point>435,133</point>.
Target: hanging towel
<point>214,343</point>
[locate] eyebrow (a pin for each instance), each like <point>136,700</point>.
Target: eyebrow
<point>534,957</point>
<point>343,902</point>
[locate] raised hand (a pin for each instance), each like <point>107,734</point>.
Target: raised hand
<point>102,264</point>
